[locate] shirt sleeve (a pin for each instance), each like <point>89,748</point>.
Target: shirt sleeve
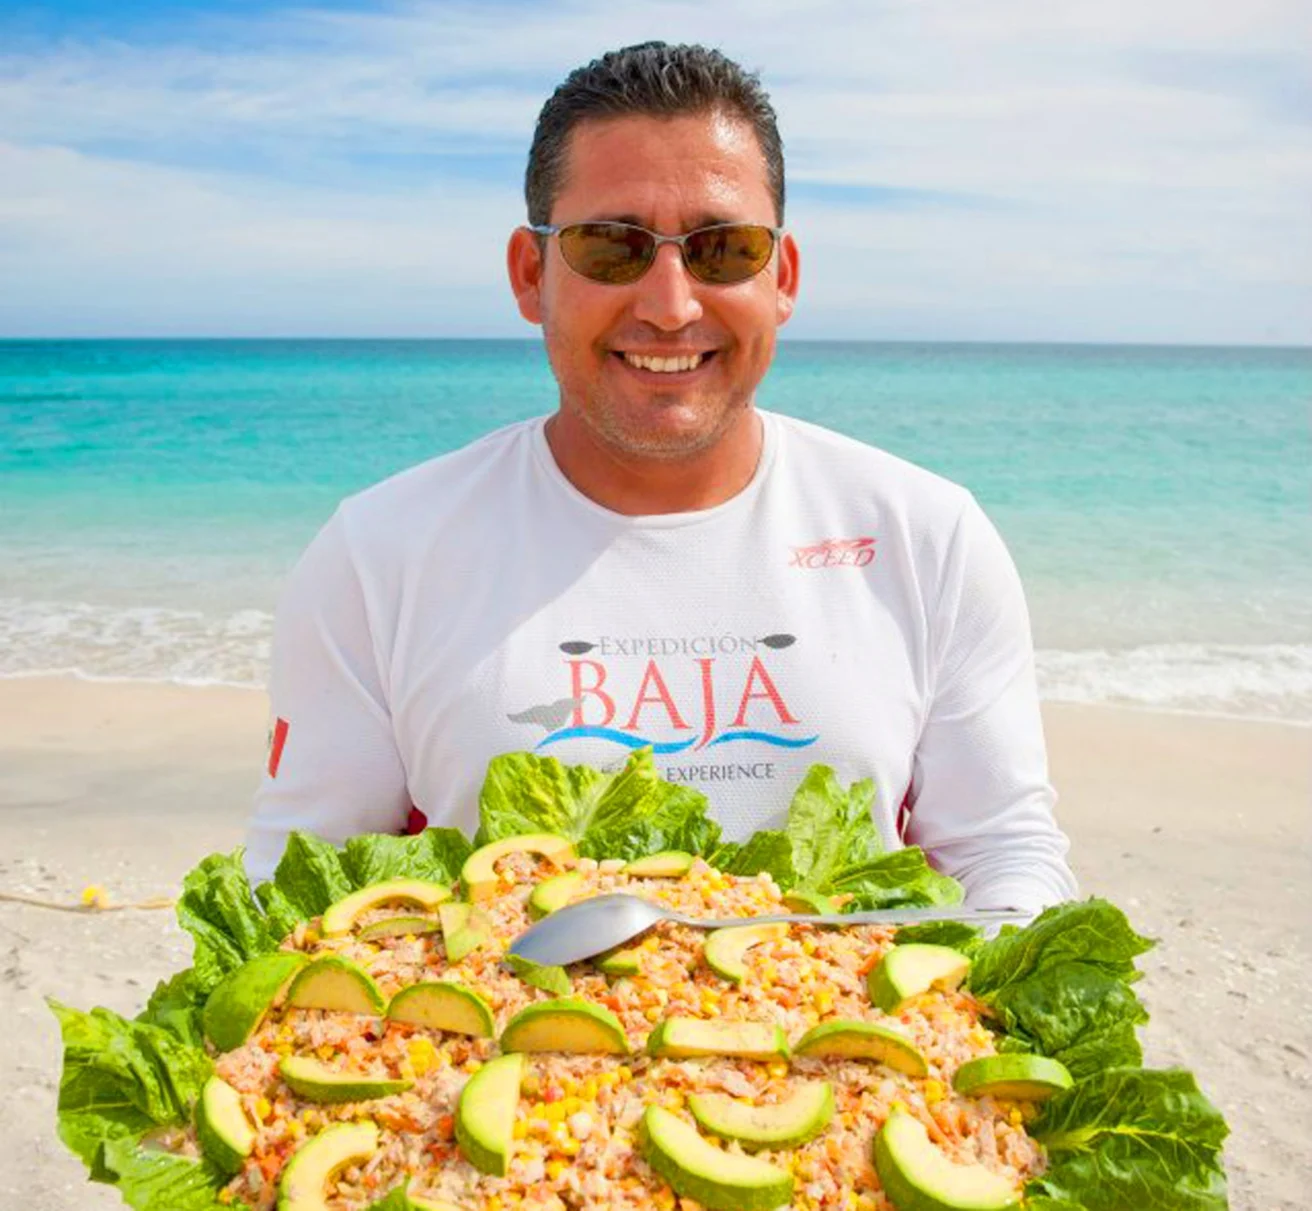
<point>334,768</point>
<point>981,805</point>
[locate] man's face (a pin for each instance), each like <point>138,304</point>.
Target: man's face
<point>670,176</point>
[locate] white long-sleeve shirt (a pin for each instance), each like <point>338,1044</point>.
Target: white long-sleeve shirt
<point>846,607</point>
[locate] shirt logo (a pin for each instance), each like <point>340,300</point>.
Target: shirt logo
<point>835,553</point>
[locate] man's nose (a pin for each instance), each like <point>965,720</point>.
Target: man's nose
<point>667,292</point>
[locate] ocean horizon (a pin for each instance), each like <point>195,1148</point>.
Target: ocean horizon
<point>154,492</point>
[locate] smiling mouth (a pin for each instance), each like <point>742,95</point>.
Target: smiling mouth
<point>680,363</point>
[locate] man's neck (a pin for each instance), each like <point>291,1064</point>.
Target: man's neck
<point>636,486</point>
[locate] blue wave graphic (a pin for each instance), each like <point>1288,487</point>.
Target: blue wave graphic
<point>609,733</point>
<point>764,738</point>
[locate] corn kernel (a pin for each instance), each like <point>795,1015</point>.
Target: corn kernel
<point>262,1108</point>
<point>653,1014</point>
<point>777,1068</point>
<point>493,1203</point>
<point>555,1169</point>
<point>625,1073</point>
<point>520,1130</point>
<point>934,1092</point>
<point>1015,1117</point>
<point>589,1090</point>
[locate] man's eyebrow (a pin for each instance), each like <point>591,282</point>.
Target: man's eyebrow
<point>704,220</point>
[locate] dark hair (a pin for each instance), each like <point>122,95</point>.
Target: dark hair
<point>651,79</point>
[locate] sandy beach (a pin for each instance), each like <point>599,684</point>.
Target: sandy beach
<point>1197,827</point>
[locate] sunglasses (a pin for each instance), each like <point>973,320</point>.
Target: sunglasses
<point>617,254</point>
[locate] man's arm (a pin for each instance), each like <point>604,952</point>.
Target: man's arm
<point>981,804</point>
<point>335,770</point>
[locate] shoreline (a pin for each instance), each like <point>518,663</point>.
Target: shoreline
<point>1197,827</point>
<point>77,676</point>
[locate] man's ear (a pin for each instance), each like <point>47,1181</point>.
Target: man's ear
<point>789,278</point>
<point>524,263</point>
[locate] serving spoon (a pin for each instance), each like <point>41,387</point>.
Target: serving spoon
<point>601,923</point>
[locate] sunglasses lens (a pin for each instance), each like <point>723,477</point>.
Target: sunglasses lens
<point>733,252</point>
<point>607,252</point>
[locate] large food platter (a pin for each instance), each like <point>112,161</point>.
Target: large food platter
<point>356,1035</point>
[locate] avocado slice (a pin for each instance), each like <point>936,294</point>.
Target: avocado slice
<point>316,1082</point>
<point>479,876</point>
<point>907,971</point>
<point>697,1169</point>
<point>485,1114</point>
<point>566,1024</point>
<point>626,962</point>
<point>783,1125</point>
<point>332,982</point>
<point>241,999</point>
<point>812,903</point>
<point>1016,1076</point>
<point>916,1176</point>
<point>443,1006</point>
<point>304,1182</point>
<point>464,929</point>
<point>554,893</point>
<point>680,1038</point>
<point>846,1039</point>
<point>340,918</point>
<point>222,1128</point>
<point>668,864</point>
<point>399,927</point>
<point>726,948</point>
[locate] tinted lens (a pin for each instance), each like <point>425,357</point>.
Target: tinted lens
<point>733,252</point>
<point>607,252</point>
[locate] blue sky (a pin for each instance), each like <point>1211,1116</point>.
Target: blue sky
<point>1016,170</point>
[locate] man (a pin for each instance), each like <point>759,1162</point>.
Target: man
<point>659,562</point>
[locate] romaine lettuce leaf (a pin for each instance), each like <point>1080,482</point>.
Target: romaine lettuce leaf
<point>831,829</point>
<point>1088,931</point>
<point>120,1080</point>
<point>217,909</point>
<point>769,850</point>
<point>1133,1137</point>
<point>1061,987</point>
<point>436,854</point>
<point>175,1005</point>
<point>156,1181</point>
<point>830,845</point>
<point>554,980</point>
<point>626,814</point>
<point>901,879</point>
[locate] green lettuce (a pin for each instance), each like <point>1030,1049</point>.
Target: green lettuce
<point>156,1181</point>
<point>955,934</point>
<point>120,1080</point>
<point>436,854</point>
<point>217,909</point>
<point>1132,1137</point>
<point>830,846</point>
<point>1062,986</point>
<point>627,814</point>
<point>554,980</point>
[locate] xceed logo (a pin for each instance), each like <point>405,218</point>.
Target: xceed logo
<point>835,553</point>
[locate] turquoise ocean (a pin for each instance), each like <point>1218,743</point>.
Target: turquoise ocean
<point>153,494</point>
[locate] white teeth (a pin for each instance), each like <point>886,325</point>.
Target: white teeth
<point>664,365</point>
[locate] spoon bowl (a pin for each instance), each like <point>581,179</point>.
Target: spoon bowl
<point>600,923</point>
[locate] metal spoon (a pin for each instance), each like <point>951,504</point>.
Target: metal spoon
<point>601,923</point>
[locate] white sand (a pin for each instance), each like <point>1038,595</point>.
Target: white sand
<point>1198,828</point>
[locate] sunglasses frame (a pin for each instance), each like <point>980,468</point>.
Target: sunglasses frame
<point>549,229</point>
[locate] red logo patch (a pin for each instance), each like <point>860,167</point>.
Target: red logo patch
<point>835,553</point>
<point>276,742</point>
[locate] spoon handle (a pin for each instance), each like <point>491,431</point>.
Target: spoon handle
<point>890,916</point>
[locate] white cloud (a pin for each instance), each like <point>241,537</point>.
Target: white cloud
<point>1110,180</point>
